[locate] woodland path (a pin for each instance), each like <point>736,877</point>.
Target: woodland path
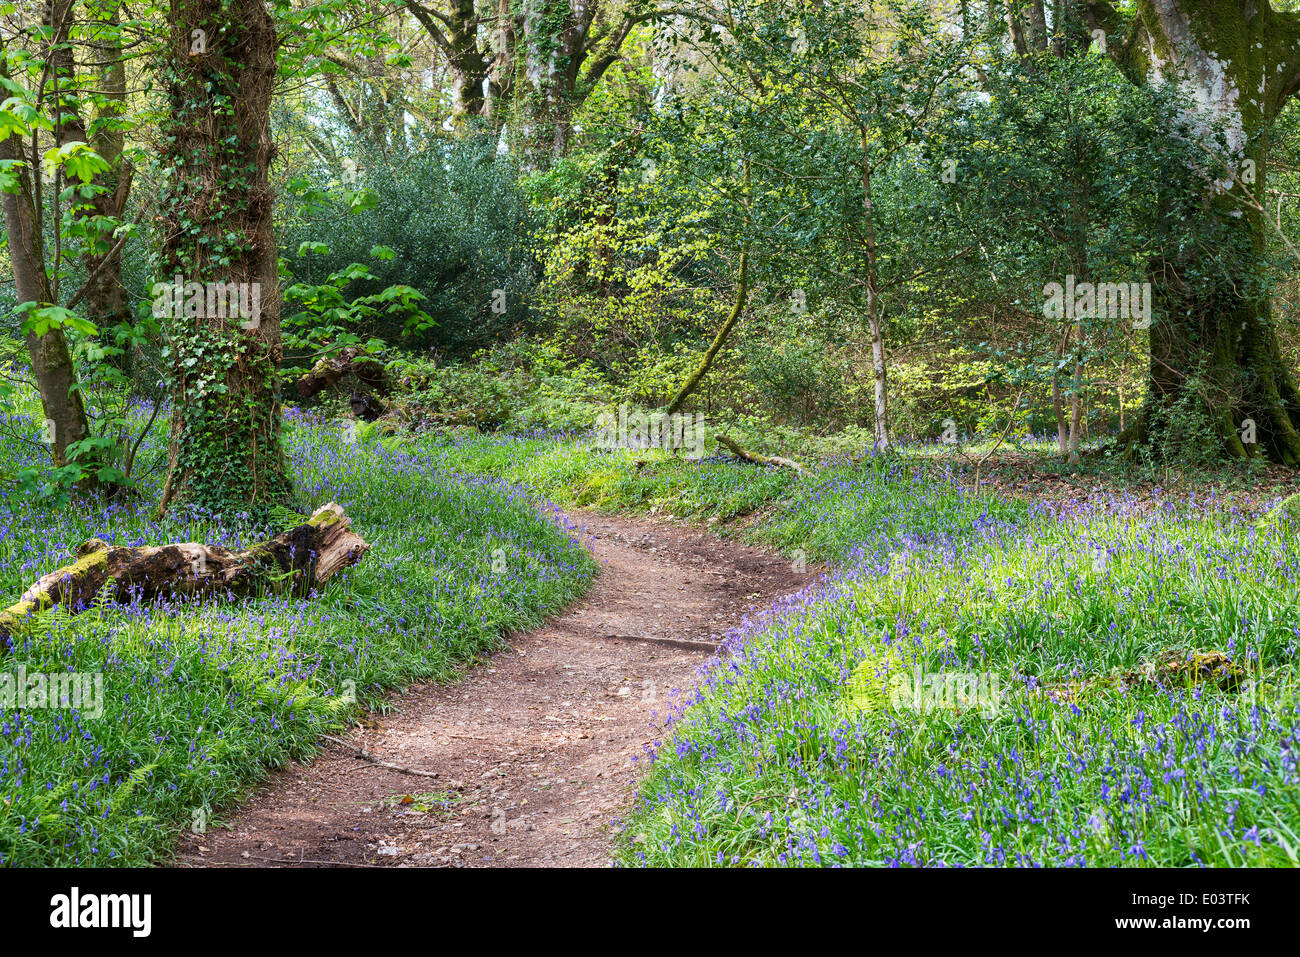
<point>532,747</point>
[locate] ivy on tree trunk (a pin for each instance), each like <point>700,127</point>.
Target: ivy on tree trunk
<point>226,450</point>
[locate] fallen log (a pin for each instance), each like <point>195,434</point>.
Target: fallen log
<point>331,368</point>
<point>305,557</point>
<point>735,449</point>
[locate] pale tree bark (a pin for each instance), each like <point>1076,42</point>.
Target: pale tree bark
<point>1058,397</point>
<point>1016,30</point>
<point>552,40</point>
<point>879,362</point>
<point>567,46</point>
<point>1076,413</point>
<point>502,73</point>
<point>1213,341</point>
<point>537,65</point>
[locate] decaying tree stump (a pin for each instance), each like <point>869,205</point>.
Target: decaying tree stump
<point>305,557</point>
<point>330,369</point>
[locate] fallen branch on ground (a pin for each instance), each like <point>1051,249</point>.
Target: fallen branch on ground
<point>754,457</point>
<point>364,755</point>
<point>305,557</point>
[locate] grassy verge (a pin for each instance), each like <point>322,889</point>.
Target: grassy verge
<point>200,700</point>
<point>830,513</point>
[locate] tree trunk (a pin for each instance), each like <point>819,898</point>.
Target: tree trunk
<point>332,368</point>
<point>1058,395</point>
<point>105,297</point>
<point>1016,30</point>
<point>52,368</point>
<point>455,32</point>
<point>1213,345</point>
<point>696,377</point>
<point>554,38</point>
<point>226,450</point>
<point>740,452</point>
<point>469,66</point>
<point>879,367</point>
<point>1036,35</point>
<point>879,372</point>
<point>1076,413</point>
<point>1216,350</point>
<point>501,77</point>
<point>297,561</point>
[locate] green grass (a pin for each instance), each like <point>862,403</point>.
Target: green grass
<point>828,512</point>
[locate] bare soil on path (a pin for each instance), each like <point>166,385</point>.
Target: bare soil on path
<point>528,758</point>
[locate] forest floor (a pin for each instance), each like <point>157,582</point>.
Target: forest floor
<point>527,759</point>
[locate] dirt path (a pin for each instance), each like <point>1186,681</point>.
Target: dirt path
<point>532,749</point>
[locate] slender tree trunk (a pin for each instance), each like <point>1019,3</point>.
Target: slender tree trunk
<point>1058,398</point>
<point>105,296</point>
<point>1058,408</point>
<point>696,377</point>
<point>52,368</point>
<point>879,368</point>
<point>1076,412</point>
<point>226,444</point>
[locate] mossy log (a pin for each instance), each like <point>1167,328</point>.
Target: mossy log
<point>305,557</point>
<point>748,456</point>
